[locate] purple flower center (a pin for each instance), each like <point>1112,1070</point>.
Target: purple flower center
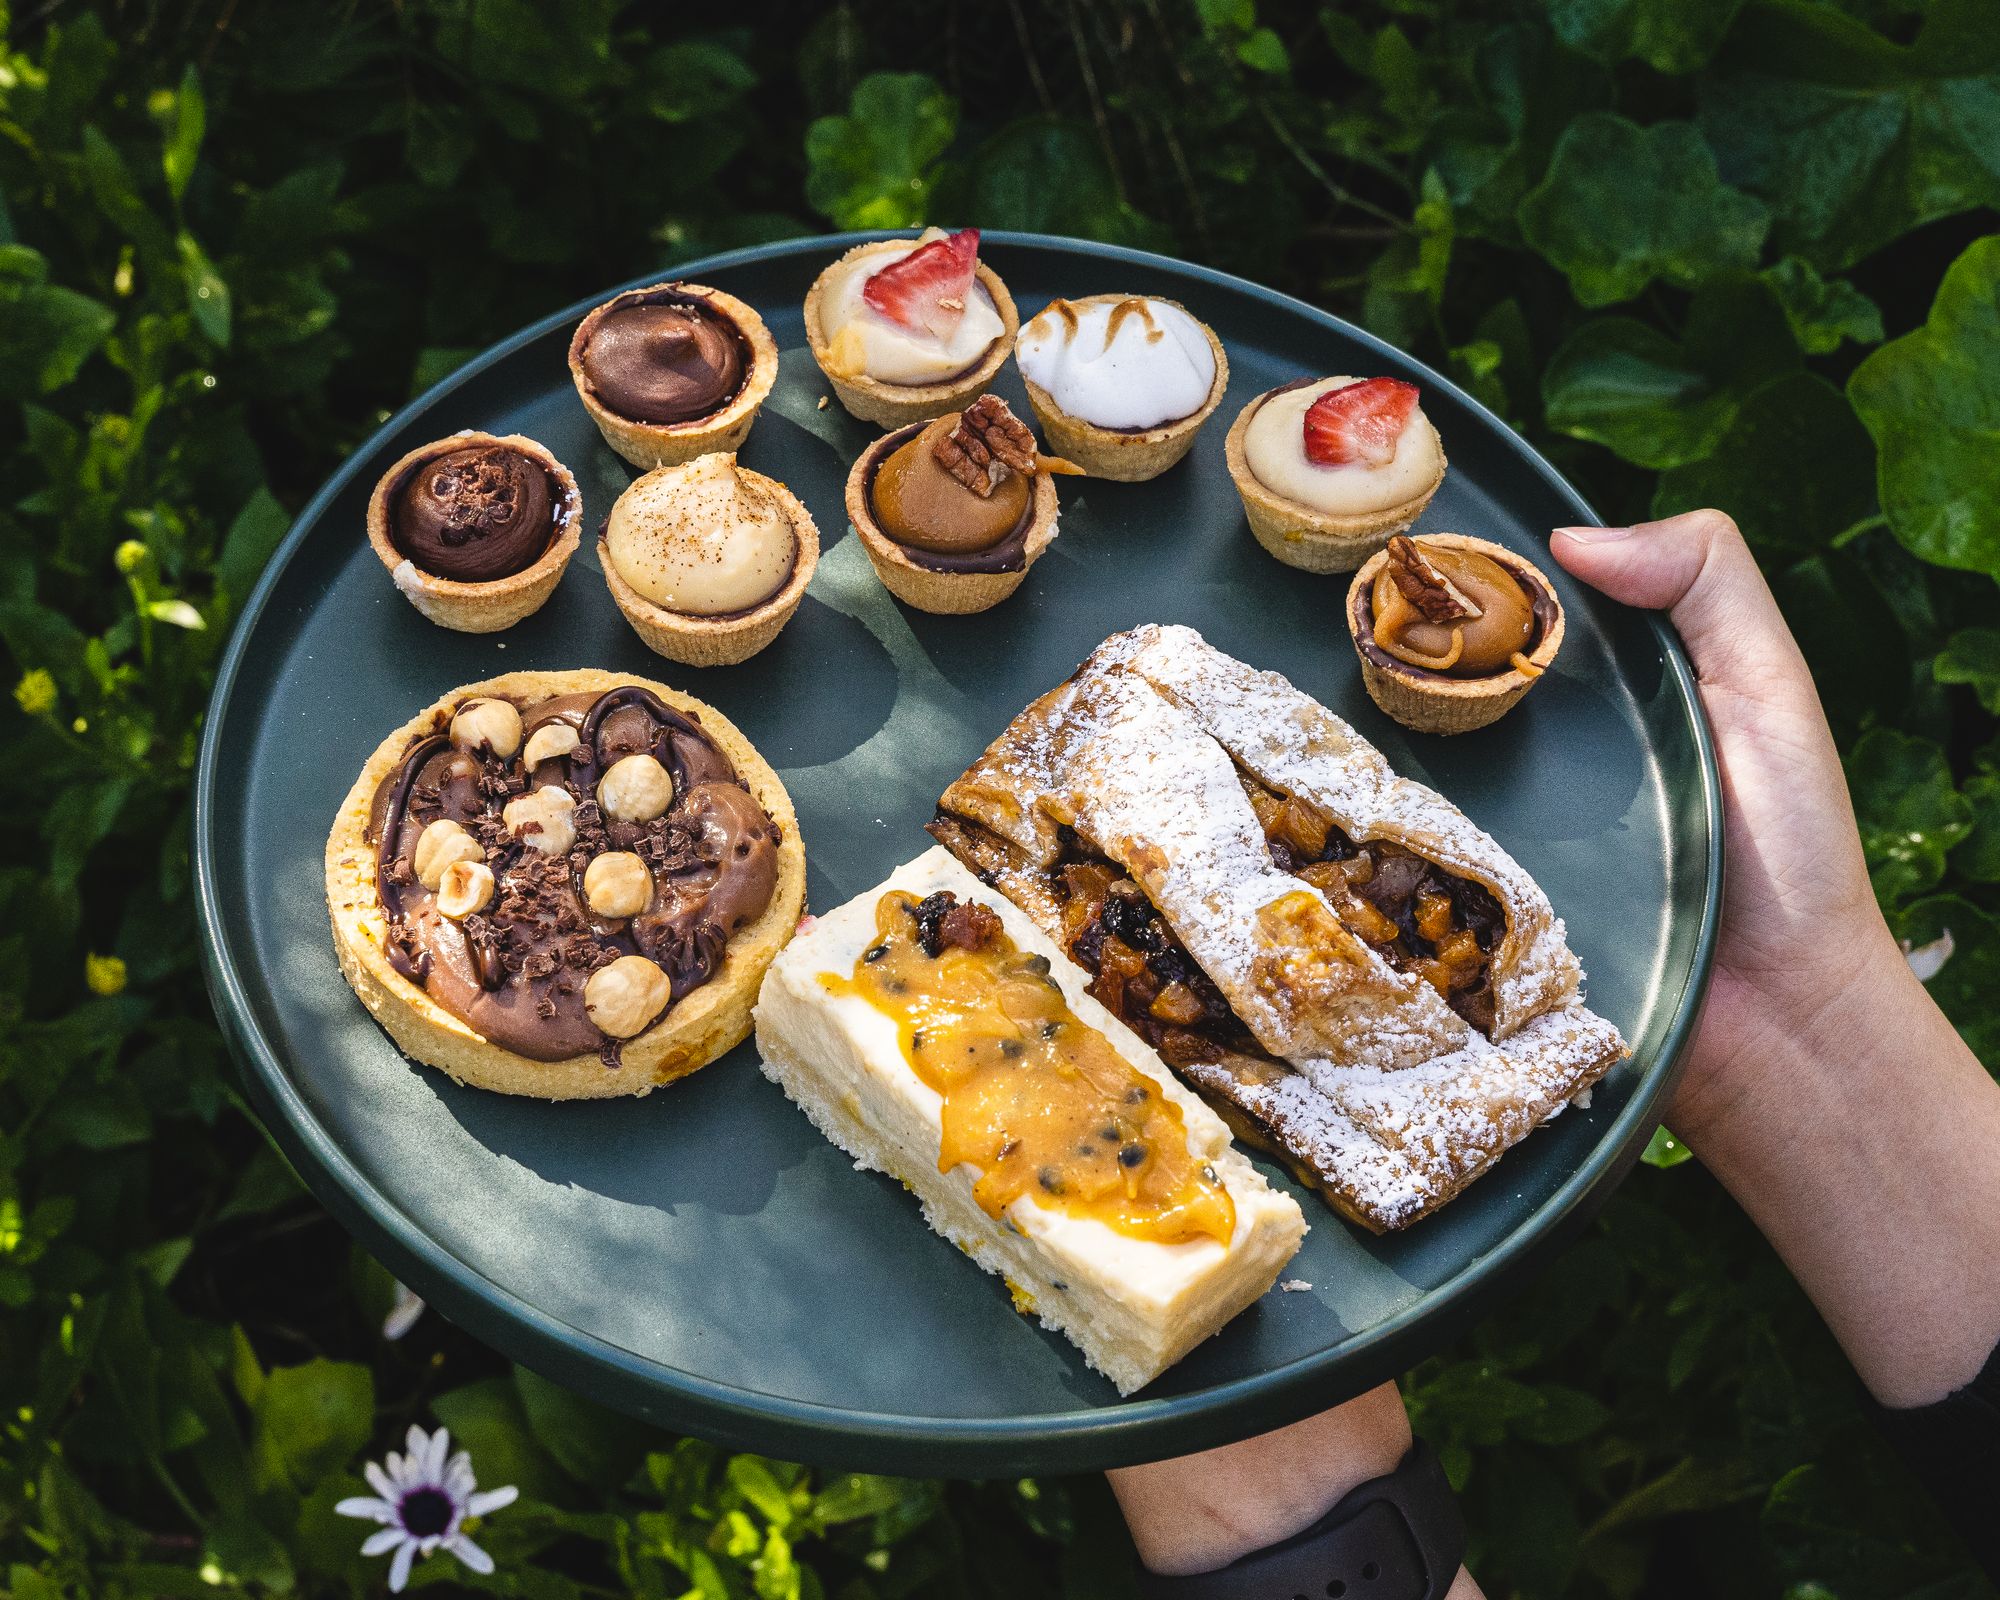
<point>425,1512</point>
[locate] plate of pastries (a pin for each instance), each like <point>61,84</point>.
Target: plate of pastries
<point>953,852</point>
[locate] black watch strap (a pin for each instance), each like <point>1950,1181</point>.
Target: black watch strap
<point>1397,1537</point>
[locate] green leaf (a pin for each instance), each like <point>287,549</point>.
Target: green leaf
<point>1045,175</point>
<point>597,1447</point>
<point>257,531</point>
<point>1264,51</point>
<point>1855,140</point>
<point>488,1420</point>
<point>309,1421</point>
<point>1972,656</point>
<point>1910,812</point>
<point>1664,1150</point>
<point>1794,469</point>
<point>175,613</point>
<point>875,166</point>
<point>1823,312</point>
<point>207,294</point>
<point>1668,35</point>
<point>46,332</point>
<point>1623,205</point>
<point>1624,384</point>
<point>184,134</point>
<point>1978,854</point>
<point>1932,401</point>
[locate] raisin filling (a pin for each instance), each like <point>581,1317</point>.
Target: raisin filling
<point>1410,911</point>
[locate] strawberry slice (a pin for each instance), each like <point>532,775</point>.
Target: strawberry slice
<point>926,291</point>
<point>1359,423</point>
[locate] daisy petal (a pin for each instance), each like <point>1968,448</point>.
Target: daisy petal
<point>417,1442</point>
<point>399,1569</point>
<point>491,1500</point>
<point>470,1555</point>
<point>459,1480</point>
<point>382,1539</point>
<point>383,1483</point>
<point>364,1505</point>
<point>434,1458</point>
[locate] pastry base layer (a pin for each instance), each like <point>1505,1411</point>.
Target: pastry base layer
<point>500,602</point>
<point>1126,456</point>
<point>1311,540</point>
<point>667,444</point>
<point>1448,705</point>
<point>950,594</point>
<point>894,405</point>
<point>1131,1306</point>
<point>704,1024</point>
<point>721,641</point>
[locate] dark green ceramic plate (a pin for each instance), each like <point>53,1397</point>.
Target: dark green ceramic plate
<point>702,1257</point>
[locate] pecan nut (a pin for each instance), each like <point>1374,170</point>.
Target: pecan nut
<point>1424,586</point>
<point>985,444</point>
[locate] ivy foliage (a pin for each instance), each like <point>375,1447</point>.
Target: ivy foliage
<point>1739,252</point>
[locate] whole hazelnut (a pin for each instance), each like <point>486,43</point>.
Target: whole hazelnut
<point>623,998</point>
<point>465,888</point>
<point>489,725</point>
<point>636,789</point>
<point>438,846</point>
<point>546,743</point>
<point>617,884</point>
<point>544,820</point>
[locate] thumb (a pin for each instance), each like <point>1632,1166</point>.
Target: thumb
<point>1697,569</point>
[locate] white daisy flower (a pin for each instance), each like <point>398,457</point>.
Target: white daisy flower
<point>403,1314</point>
<point>422,1500</point>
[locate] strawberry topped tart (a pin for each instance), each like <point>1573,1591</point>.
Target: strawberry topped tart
<point>907,330</point>
<point>1330,468</point>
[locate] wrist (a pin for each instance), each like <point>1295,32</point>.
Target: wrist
<point>1196,1513</point>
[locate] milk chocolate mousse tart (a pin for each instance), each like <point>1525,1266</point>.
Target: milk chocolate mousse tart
<point>954,512</point>
<point>564,884</point>
<point>476,529</point>
<point>908,330</point>
<point>1328,468</point>
<point>672,372</point>
<point>1121,384</point>
<point>708,560</point>
<point>1451,630</point>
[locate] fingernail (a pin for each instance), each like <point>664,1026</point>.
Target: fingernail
<point>1596,535</point>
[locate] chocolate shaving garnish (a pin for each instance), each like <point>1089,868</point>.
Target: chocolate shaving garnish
<point>1424,586</point>
<point>984,444</point>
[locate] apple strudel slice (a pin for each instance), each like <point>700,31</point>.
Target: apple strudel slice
<point>934,1033</point>
<point>1361,979</point>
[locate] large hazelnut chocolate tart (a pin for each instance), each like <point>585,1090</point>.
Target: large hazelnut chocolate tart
<point>564,884</point>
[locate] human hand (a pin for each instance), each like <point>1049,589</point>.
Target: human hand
<point>1823,1086</point>
<point>1801,942</point>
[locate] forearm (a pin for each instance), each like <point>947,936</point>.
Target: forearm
<point>1200,1512</point>
<point>1865,1144</point>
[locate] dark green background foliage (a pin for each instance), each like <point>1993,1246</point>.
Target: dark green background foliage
<point>1701,251</point>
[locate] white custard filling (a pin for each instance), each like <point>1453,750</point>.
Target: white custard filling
<point>702,539</point>
<point>1130,364</point>
<point>866,343</point>
<point>1133,1306</point>
<point>1274,445</point>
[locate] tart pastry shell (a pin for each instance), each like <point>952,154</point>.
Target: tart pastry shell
<point>496,603</point>
<point>1300,535</point>
<point>1431,702</point>
<point>1127,455</point>
<point>668,444</point>
<point>697,641</point>
<point>892,405</point>
<point>925,588</point>
<point>705,1023</point>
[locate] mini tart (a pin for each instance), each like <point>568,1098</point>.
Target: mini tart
<point>661,444</point>
<point>1127,455</point>
<point>891,405</point>
<point>1432,702</point>
<point>496,603</point>
<point>926,588</point>
<point>705,1023</point>
<point>1300,535</point>
<point>719,641</point>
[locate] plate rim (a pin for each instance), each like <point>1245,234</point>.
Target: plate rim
<point>1083,1438</point>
